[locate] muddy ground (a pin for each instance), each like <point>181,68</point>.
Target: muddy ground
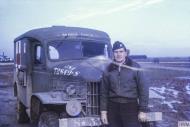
<point>169,94</point>
<point>7,99</point>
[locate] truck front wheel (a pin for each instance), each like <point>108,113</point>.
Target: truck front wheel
<point>48,119</point>
<point>22,116</point>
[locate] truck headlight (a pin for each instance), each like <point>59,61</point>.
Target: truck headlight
<point>70,89</point>
<point>73,107</point>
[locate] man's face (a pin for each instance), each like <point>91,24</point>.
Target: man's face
<point>119,55</point>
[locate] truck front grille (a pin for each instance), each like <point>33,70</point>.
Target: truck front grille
<point>93,99</point>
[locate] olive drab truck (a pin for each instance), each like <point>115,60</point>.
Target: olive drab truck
<point>57,76</point>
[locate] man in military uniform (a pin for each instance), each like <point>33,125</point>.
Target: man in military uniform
<point>124,93</point>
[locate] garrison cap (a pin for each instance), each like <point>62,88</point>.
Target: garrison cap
<point>118,45</point>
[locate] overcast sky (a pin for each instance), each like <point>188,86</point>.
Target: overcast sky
<point>151,27</point>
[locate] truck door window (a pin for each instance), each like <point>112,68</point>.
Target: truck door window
<point>20,51</point>
<point>53,53</point>
<point>38,56</point>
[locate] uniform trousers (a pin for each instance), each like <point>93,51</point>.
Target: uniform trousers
<point>123,114</point>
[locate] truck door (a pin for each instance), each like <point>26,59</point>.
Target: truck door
<point>38,69</point>
<point>21,69</point>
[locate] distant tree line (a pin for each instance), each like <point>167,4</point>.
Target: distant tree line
<point>138,56</point>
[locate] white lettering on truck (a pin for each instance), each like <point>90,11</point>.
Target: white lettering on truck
<point>66,70</point>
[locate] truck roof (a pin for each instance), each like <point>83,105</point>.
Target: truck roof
<point>61,32</point>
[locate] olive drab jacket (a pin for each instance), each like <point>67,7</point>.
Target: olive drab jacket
<point>122,84</point>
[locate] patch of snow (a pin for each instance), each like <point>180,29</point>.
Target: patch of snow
<point>160,90</point>
<point>188,88</point>
<point>163,90</point>
<point>3,92</point>
<point>184,77</point>
<point>169,103</point>
<point>3,84</point>
<point>153,94</point>
<point>174,92</point>
<point>6,63</point>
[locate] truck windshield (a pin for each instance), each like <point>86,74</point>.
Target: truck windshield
<point>64,50</point>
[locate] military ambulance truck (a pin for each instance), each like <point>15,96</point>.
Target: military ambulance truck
<point>57,76</point>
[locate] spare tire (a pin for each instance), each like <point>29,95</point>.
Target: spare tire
<point>48,119</point>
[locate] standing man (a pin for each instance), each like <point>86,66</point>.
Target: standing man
<point>124,93</point>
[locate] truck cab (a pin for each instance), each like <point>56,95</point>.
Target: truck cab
<point>57,75</point>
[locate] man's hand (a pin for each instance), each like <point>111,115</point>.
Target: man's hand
<point>142,117</point>
<point>104,117</point>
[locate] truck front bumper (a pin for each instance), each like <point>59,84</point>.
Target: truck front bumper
<point>80,122</point>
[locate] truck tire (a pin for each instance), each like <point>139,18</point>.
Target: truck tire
<point>22,116</point>
<point>48,119</point>
<point>35,110</point>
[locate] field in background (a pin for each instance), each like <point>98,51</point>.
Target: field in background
<point>169,93</point>
<point>8,101</point>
